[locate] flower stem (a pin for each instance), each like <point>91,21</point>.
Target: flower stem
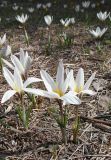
<point>63,132</point>
<point>1,66</point>
<point>26,36</point>
<point>23,112</point>
<point>75,127</point>
<point>62,123</point>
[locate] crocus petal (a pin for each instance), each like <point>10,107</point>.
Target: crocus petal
<point>66,83</point>
<point>89,81</point>
<point>17,64</point>
<point>89,92</point>
<point>27,63</point>
<point>8,64</point>
<point>8,109</point>
<point>48,81</point>
<point>60,75</point>
<point>18,80</point>
<point>41,93</point>
<point>72,82</point>
<point>8,94</point>
<point>80,78</point>
<point>31,80</point>
<point>71,98</point>
<point>8,76</point>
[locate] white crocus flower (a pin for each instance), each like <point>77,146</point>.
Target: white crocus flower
<point>77,85</point>
<point>98,33</point>
<point>102,16</point>
<point>93,5</point>
<point>77,8</point>
<point>31,10</point>
<point>2,40</point>
<point>86,4</point>
<point>22,19</point>
<point>72,20</point>
<point>65,6</point>
<point>102,2</point>
<point>23,63</point>
<point>44,6</point>
<point>39,5</point>
<point>56,88</point>
<point>5,51</point>
<point>16,83</point>
<point>65,22</point>
<point>48,4</point>
<point>15,8</point>
<point>48,19</point>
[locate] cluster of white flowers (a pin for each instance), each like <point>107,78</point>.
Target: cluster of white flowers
<point>67,21</point>
<point>48,19</point>
<point>86,5</point>
<point>63,89</point>
<point>44,6</point>
<point>98,33</point>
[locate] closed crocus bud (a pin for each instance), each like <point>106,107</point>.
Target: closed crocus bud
<point>72,20</point>
<point>77,8</point>
<point>5,51</point>
<point>2,40</point>
<point>48,19</point>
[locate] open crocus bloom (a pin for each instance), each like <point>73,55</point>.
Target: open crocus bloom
<point>86,4</point>
<point>57,89</point>
<point>23,63</point>
<point>103,15</point>
<point>77,85</point>
<point>16,83</point>
<point>22,19</point>
<point>98,33</point>
<point>65,22</point>
<point>31,10</point>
